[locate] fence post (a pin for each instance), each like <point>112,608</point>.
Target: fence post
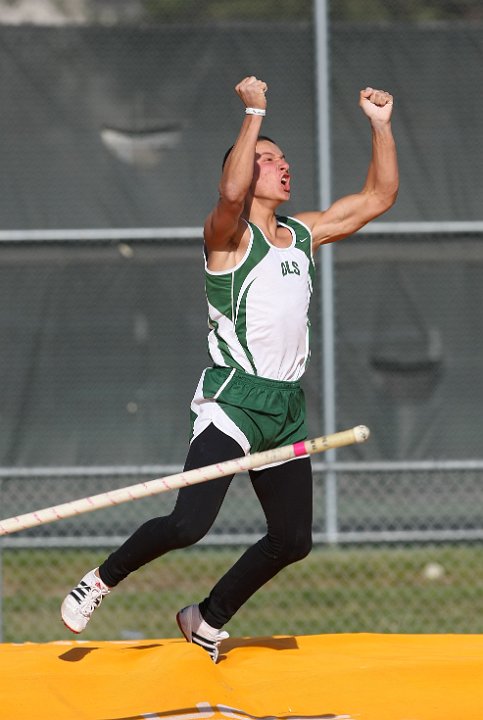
<point>321,18</point>
<point>1,572</point>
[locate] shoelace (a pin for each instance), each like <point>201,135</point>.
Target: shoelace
<point>91,601</point>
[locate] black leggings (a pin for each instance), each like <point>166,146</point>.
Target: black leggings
<point>285,494</point>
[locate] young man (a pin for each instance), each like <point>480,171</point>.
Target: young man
<point>259,272</point>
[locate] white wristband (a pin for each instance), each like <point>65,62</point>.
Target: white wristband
<point>255,111</point>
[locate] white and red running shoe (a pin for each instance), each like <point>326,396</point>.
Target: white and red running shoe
<point>197,631</point>
<point>81,602</point>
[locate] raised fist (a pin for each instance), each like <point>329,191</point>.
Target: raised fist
<point>252,91</point>
<point>376,104</point>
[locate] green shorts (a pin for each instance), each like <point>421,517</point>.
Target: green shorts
<point>258,413</point>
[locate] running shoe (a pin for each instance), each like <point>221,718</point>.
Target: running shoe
<point>197,631</point>
<point>81,602</point>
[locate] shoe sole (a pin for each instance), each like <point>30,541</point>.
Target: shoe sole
<point>76,632</point>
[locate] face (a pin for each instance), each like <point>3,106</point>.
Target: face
<point>271,177</point>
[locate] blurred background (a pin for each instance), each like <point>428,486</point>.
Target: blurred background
<point>115,117</point>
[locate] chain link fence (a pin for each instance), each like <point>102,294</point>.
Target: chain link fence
<point>104,331</point>
<point>396,542</point>
<point>406,561</point>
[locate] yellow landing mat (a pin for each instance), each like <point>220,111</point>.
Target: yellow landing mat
<point>329,677</point>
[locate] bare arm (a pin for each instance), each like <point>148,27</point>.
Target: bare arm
<point>348,214</point>
<point>223,228</point>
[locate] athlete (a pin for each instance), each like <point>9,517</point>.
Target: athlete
<point>259,272</point>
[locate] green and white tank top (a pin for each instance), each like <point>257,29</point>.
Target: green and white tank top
<point>258,310</point>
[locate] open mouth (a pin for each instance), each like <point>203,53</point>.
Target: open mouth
<point>285,180</point>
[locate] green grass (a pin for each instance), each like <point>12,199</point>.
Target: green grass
<point>333,590</point>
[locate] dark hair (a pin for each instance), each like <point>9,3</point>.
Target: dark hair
<point>260,137</point>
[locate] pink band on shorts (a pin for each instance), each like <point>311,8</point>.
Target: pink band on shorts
<point>299,448</point>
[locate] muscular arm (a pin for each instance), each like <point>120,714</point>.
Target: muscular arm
<point>223,228</point>
<point>348,214</point>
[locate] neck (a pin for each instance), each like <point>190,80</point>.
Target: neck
<point>261,213</point>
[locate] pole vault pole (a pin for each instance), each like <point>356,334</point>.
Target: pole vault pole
<point>358,434</point>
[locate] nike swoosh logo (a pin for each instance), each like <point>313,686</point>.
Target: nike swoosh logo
<point>304,239</point>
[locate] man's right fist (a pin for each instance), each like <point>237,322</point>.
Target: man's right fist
<point>252,91</point>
